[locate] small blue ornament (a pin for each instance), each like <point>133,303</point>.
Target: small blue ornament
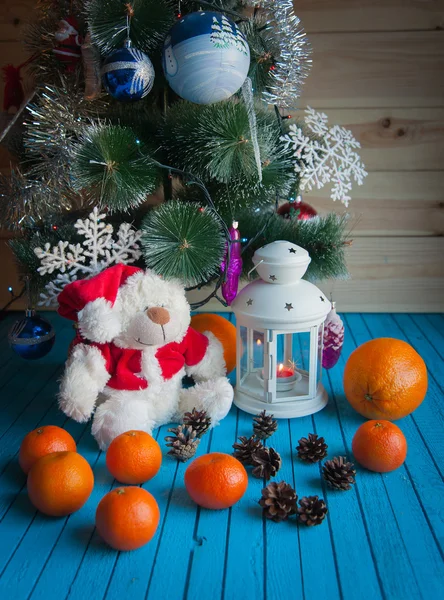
<point>206,57</point>
<point>128,74</point>
<point>31,337</point>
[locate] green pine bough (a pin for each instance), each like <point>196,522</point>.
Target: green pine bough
<point>183,240</point>
<point>264,48</point>
<point>324,237</point>
<point>111,161</point>
<point>150,22</point>
<point>214,142</point>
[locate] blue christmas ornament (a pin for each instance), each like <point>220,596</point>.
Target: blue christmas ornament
<point>31,337</point>
<point>128,74</point>
<point>206,58</point>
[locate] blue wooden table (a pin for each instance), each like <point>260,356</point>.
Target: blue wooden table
<point>382,539</point>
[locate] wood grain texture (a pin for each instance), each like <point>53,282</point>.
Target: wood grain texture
<point>391,204</point>
<point>392,274</point>
<point>370,15</point>
<point>376,69</point>
<point>13,18</point>
<point>387,530</point>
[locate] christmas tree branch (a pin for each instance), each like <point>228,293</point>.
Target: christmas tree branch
<point>324,237</point>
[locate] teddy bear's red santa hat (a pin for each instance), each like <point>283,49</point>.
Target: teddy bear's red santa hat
<point>90,302</point>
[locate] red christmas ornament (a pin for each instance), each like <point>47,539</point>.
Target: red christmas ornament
<point>13,95</point>
<point>68,47</point>
<point>299,210</point>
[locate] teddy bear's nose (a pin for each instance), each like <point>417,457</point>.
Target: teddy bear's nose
<point>158,315</point>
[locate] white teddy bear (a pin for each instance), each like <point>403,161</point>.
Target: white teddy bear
<point>134,346</point>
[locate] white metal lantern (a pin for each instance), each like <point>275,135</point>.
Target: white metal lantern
<point>280,319</point>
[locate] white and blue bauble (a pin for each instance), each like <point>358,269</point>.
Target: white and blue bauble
<point>128,74</point>
<point>206,57</point>
<point>31,337</point>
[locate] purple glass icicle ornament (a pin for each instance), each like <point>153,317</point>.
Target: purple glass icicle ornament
<point>333,338</point>
<point>234,266</point>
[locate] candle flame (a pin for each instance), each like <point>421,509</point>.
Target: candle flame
<point>281,366</point>
<point>258,342</point>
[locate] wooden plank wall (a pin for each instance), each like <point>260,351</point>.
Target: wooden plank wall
<point>377,68</point>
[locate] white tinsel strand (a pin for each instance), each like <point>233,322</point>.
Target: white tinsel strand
<point>293,64</point>
<point>247,95</point>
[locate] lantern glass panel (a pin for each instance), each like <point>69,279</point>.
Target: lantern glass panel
<point>258,345</point>
<point>320,350</point>
<point>243,351</point>
<point>293,365</point>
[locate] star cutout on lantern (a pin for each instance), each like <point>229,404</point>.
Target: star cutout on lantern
<point>322,298</point>
<point>249,302</point>
<point>292,250</point>
<point>289,306</point>
<point>272,277</point>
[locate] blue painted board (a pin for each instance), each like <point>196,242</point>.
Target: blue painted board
<point>384,539</point>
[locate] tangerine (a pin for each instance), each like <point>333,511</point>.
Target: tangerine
<point>216,480</point>
<point>379,446</point>
<point>221,328</point>
<point>133,457</point>
<point>127,517</point>
<point>42,441</point>
<point>60,483</point>
<point>385,378</point>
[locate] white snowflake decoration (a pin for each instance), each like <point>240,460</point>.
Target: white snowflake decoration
<point>98,251</point>
<point>327,157</point>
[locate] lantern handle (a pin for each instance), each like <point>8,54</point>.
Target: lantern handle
<point>254,268</point>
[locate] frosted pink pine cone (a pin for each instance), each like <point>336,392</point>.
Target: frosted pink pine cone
<point>333,339</point>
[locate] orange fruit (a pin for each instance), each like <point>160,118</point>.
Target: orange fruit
<point>216,480</point>
<point>44,440</point>
<point>133,457</point>
<point>127,517</point>
<point>379,446</point>
<point>60,483</point>
<point>223,330</point>
<point>385,379</point>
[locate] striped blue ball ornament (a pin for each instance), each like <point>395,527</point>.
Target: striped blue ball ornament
<point>128,74</point>
<point>206,57</point>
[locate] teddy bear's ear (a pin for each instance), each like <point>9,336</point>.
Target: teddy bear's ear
<point>99,321</point>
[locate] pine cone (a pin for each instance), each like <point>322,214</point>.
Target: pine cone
<point>266,463</point>
<point>312,449</point>
<point>339,473</point>
<point>279,501</point>
<point>183,443</point>
<point>244,450</point>
<point>264,425</point>
<point>198,420</point>
<point>312,510</point>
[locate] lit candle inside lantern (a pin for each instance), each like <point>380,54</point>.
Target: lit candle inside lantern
<point>284,371</point>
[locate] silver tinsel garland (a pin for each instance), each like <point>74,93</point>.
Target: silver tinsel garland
<point>55,121</point>
<point>23,201</point>
<point>293,64</point>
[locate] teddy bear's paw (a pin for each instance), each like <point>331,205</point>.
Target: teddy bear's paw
<point>118,415</point>
<point>214,396</point>
<point>75,409</point>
